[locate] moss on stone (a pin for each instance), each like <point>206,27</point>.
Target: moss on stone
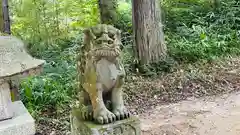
<point>122,127</point>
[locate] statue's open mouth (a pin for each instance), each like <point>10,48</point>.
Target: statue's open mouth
<point>107,52</point>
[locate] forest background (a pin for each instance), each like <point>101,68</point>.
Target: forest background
<point>201,35</point>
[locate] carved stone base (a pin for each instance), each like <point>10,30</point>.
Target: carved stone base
<point>21,123</point>
<point>130,126</point>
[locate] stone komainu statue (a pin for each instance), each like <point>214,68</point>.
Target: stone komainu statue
<point>101,75</point>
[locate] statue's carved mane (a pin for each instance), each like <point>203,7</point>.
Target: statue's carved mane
<point>88,50</point>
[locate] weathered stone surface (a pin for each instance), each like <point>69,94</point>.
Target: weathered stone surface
<point>130,126</point>
<point>14,58</point>
<point>22,122</point>
<point>5,102</point>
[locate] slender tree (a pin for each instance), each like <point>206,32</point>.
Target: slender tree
<point>6,18</point>
<point>108,11</point>
<point>148,31</point>
<point>1,17</point>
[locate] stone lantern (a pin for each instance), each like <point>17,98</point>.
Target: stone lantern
<point>15,63</point>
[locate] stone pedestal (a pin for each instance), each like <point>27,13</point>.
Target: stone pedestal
<point>21,123</point>
<point>130,126</point>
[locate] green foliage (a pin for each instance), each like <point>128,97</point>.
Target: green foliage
<point>124,17</point>
<point>42,23</point>
<point>187,12</point>
<point>56,86</point>
<point>127,55</point>
<point>201,30</point>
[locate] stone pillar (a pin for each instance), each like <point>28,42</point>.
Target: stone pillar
<point>5,101</point>
<point>14,117</point>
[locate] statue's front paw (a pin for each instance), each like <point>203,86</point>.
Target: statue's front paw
<point>104,117</point>
<point>121,113</point>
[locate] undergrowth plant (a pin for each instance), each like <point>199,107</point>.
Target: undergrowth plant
<point>55,87</point>
<point>199,31</point>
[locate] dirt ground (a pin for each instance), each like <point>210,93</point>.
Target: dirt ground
<point>206,116</point>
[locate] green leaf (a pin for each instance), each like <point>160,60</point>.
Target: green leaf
<point>203,36</point>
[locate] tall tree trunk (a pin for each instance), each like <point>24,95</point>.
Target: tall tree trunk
<point>1,17</point>
<point>148,31</point>
<point>6,18</point>
<point>108,11</point>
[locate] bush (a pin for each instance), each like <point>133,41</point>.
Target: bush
<point>202,32</point>
<point>55,87</point>
<point>124,12</point>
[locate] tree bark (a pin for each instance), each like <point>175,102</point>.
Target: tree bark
<point>108,11</point>
<point>148,31</point>
<point>1,17</point>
